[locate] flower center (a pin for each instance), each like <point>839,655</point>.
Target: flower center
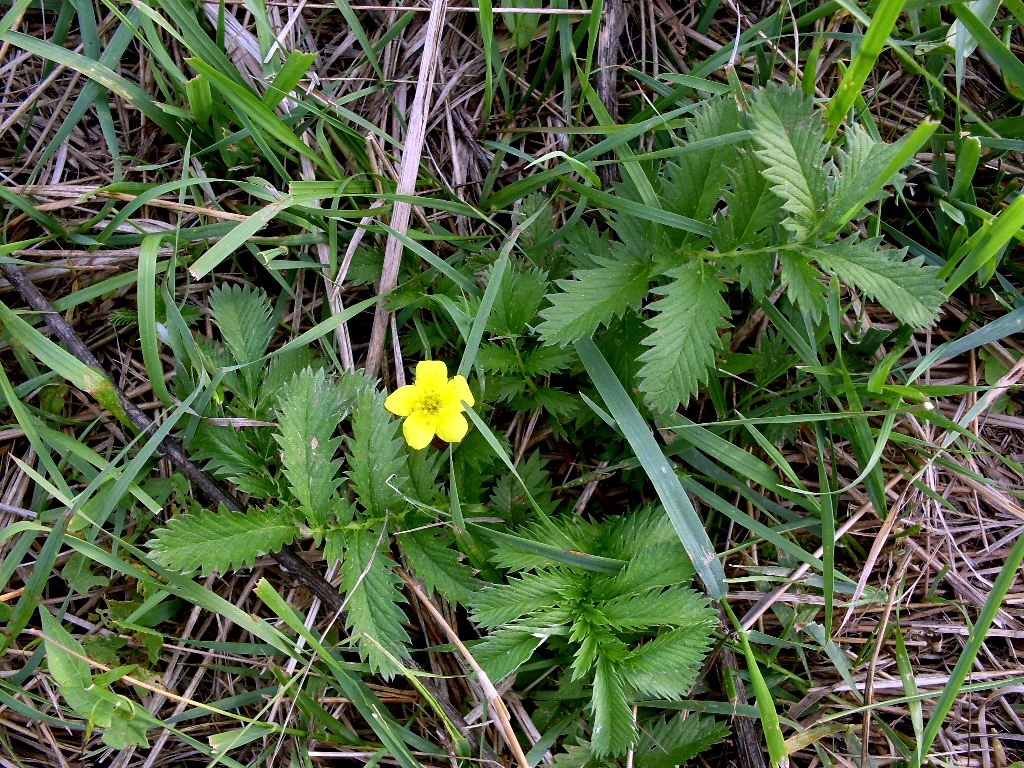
<point>430,402</point>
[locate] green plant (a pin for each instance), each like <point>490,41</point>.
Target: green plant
<point>632,633</point>
<point>342,491</point>
<point>521,368</point>
<point>757,197</point>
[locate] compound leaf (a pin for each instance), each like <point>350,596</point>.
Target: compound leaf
<point>614,729</point>
<point>438,565</point>
<point>790,137</point>
<point>376,456</point>
<point>595,296</point>
<point>506,650</point>
<point>309,410</point>
<point>667,666</point>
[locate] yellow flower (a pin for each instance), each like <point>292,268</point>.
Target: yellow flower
<point>432,406</point>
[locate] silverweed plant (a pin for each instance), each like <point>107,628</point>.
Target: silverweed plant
<point>757,189</point>
<point>328,468</point>
<point>342,490</point>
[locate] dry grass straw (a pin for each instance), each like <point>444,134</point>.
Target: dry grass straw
<point>942,540</point>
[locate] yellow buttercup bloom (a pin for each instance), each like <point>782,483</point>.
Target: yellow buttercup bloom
<point>432,405</point>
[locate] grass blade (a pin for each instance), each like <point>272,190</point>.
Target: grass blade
<point>1007,575</point>
<point>882,23</point>
<point>638,434</point>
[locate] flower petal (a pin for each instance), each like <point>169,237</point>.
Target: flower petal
<point>419,429</point>
<point>402,400</point>
<point>431,375</point>
<point>458,389</point>
<point>451,425</point>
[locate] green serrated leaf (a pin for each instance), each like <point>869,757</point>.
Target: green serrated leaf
<point>861,177</point>
<point>559,405</point>
<point>509,500</point>
<point>221,540</point>
<point>438,565</point>
<point>667,666</point>
<point>227,452</point>
<point>243,316</point>
<point>751,208</point>
<point>614,728</point>
<point>595,296</point>
<point>790,137</point>
<point>671,741</point>
<point>309,409</point>
<point>544,361</point>
<point>376,455</point>
<point>517,301</point>
<point>660,565</point>
<point>803,284</point>
<point>372,595</point>
<point>671,607</point>
<point>911,290</point>
<point>685,338</point>
<point>694,183</point>
<point>282,368</point>
<point>505,651</point>
<point>497,358</point>
<point>523,595</point>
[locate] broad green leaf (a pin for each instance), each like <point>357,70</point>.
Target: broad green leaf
<point>614,728</point>
<point>791,144</point>
<point>62,654</point>
<point>523,595</point>
<point>911,290</point>
<point>506,650</point>
<point>668,666</point>
<point>751,207</point>
<point>376,454</point>
<point>438,565</point>
<point>243,316</point>
<point>310,408</point>
<point>694,183</point>
<point>803,284</point>
<point>656,607</point>
<point>117,716</point>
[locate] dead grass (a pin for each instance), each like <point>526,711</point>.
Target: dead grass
<point>954,511</point>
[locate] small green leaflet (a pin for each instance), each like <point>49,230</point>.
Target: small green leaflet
<point>685,339</point>
<point>595,297</point>
<point>222,540</point>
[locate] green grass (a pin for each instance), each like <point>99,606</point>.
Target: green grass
<point>776,362</point>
